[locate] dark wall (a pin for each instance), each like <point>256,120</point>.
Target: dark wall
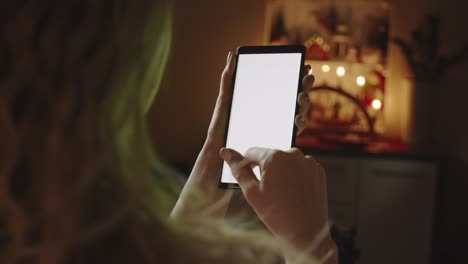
<point>452,130</point>
<point>204,32</point>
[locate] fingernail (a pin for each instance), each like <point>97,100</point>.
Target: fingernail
<point>226,155</point>
<point>228,57</point>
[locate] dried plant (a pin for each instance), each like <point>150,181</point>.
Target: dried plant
<point>423,52</point>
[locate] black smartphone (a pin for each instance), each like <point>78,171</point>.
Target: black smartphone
<point>266,83</point>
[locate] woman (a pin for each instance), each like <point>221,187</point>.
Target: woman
<point>79,180</point>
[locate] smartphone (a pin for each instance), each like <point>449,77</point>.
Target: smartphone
<point>266,83</point>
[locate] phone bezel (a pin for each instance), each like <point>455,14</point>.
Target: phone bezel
<point>263,50</point>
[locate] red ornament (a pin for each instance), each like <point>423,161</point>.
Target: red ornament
<point>366,100</point>
<point>316,52</point>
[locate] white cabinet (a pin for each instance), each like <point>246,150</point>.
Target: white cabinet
<point>389,201</point>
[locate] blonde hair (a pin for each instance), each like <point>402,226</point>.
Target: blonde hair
<point>79,181</point>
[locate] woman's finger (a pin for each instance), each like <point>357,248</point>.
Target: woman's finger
<point>304,103</point>
<point>307,69</point>
<point>301,123</point>
<point>226,78</point>
<point>219,119</point>
<point>307,83</point>
<point>303,99</point>
<point>259,156</point>
<point>295,151</point>
<point>228,71</point>
<point>304,106</point>
<point>242,172</point>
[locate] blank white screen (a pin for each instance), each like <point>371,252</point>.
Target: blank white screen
<point>263,104</point>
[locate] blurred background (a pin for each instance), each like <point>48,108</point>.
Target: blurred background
<point>387,118</point>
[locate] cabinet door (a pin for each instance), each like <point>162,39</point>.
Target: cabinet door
<point>342,183</point>
<point>395,211</point>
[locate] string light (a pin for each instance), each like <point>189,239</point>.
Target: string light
<point>340,71</point>
<point>360,81</point>
<point>319,41</point>
<point>376,104</point>
<point>325,68</point>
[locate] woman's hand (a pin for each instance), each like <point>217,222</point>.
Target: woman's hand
<point>205,173</point>
<point>291,198</point>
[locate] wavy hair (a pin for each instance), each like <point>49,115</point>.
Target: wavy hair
<point>79,180</point>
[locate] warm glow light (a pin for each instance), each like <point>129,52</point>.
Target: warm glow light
<point>319,41</point>
<point>361,81</point>
<point>325,68</point>
<point>340,71</point>
<point>376,104</point>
